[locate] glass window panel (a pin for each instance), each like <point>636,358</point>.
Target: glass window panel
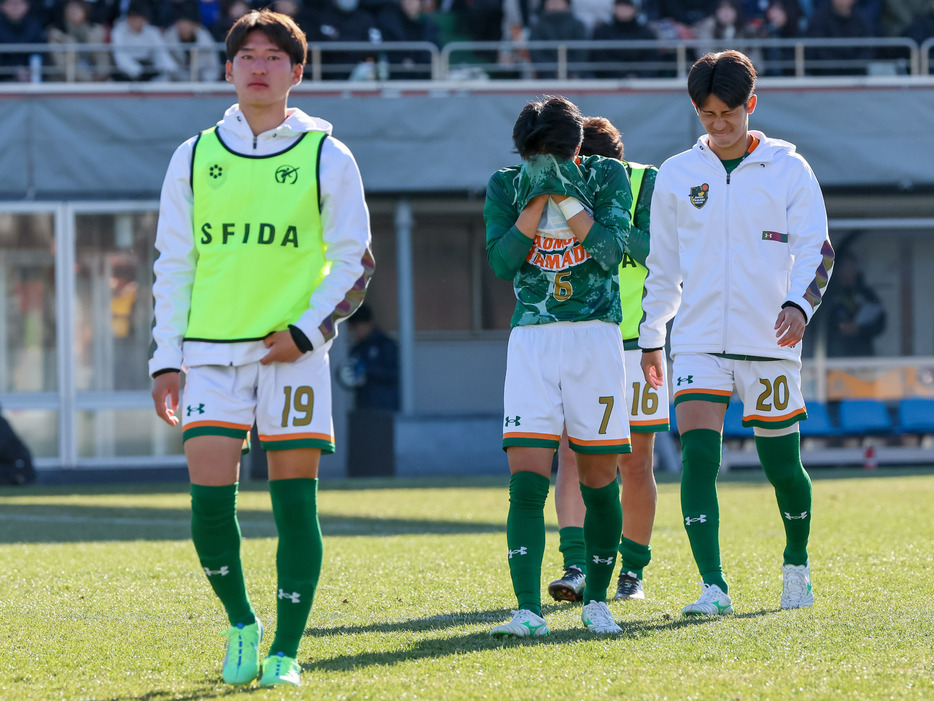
<point>37,428</point>
<point>125,432</point>
<point>27,316</point>
<point>113,282</point>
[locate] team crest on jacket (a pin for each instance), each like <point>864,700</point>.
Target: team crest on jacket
<point>698,195</point>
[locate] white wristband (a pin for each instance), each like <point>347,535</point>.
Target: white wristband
<point>570,206</point>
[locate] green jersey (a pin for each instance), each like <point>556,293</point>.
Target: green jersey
<point>562,279</point>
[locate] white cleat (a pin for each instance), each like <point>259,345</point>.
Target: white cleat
<point>598,619</point>
<point>796,587</point>
<point>713,601</point>
<point>524,624</point>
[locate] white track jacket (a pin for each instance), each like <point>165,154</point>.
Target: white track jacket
<point>728,251</point>
<point>344,217</point>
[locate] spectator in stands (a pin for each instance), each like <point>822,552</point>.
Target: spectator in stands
<point>626,25</point>
<point>342,21</point>
<point>781,21</point>
<point>231,11</point>
<point>139,50</point>
<point>722,30</point>
<point>474,20</point>
<point>685,12</point>
<point>922,26</point>
<point>855,314</point>
<point>840,19</point>
<point>593,13</point>
<point>303,15</point>
<point>405,21</point>
<point>17,26</point>
<point>556,22</point>
<point>186,37</point>
<point>210,12</point>
<point>77,28</point>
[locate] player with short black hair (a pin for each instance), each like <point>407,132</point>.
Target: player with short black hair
<point>740,258</point>
<point>263,243</point>
<point>557,228</point>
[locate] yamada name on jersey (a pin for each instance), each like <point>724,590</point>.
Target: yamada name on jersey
<point>557,254</point>
<point>263,234</point>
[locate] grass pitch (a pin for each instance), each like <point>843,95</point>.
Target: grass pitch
<point>101,597</point>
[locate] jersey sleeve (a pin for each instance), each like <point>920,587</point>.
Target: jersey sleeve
<point>809,242</point>
<point>345,221</point>
<point>174,268</point>
<point>612,201</point>
<point>506,247</point>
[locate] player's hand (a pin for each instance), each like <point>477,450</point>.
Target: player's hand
<point>653,367</point>
<point>531,215</point>
<point>166,387</point>
<point>789,327</point>
<point>282,348</point>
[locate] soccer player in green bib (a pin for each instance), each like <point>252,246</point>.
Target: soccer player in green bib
<point>264,246</point>
<point>647,406</point>
<point>556,229</point>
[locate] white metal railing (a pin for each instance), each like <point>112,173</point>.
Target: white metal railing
<point>674,58</point>
<point>527,59</point>
<point>925,57</point>
<point>59,62</point>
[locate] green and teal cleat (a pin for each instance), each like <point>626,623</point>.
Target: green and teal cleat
<point>713,601</point>
<point>524,624</point>
<point>279,670</point>
<point>241,663</point>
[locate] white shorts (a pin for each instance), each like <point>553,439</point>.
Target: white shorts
<point>648,407</point>
<point>290,402</point>
<point>769,389</point>
<point>566,374</point>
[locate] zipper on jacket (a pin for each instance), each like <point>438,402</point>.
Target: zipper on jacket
<point>254,145</point>
<point>726,273</point>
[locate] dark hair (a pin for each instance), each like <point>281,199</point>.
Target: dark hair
<point>729,75</point>
<point>601,138</point>
<point>552,125</point>
<point>140,8</point>
<point>280,29</point>
<point>361,316</point>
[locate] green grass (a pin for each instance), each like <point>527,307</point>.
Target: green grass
<point>101,597</point>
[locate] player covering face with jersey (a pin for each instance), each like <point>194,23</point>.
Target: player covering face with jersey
<point>556,229</point>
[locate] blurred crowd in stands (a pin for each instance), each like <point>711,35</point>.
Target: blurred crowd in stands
<point>160,39</point>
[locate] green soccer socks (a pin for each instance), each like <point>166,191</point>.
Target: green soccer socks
<point>781,461</point>
<point>216,536</point>
<point>700,457</point>
<point>571,545</point>
<point>525,537</point>
<point>635,556</point>
<point>298,559</point>
<point>603,524</point>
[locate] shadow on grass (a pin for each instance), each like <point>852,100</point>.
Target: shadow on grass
<point>435,648</point>
<point>210,689</point>
<point>70,523</point>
